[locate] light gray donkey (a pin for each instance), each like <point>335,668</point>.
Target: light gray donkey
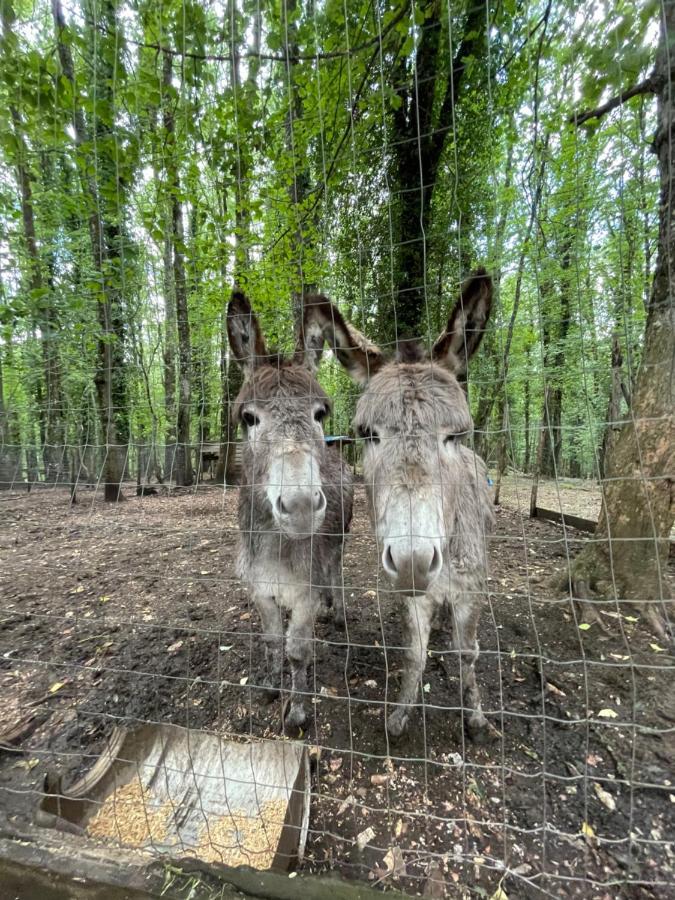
<point>428,494</point>
<point>295,499</point>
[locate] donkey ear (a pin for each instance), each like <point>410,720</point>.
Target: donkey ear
<point>466,325</point>
<point>354,351</point>
<point>243,331</point>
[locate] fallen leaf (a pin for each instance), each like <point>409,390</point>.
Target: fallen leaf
<point>104,599</point>
<point>346,803</point>
<point>584,626</point>
<point>225,647</point>
<point>365,836</point>
<point>398,828</point>
<point>555,690</point>
<point>370,683</point>
<point>522,869</point>
<point>394,862</point>
<point>378,780</point>
<point>499,894</point>
<point>335,764</point>
<point>175,646</point>
<point>587,830</point>
<point>244,616</point>
<point>604,797</point>
<point>56,686</point>
<point>26,764</point>
<point>657,649</point>
<point>243,680</point>
<point>608,714</point>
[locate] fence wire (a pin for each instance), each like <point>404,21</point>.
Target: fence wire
<point>295,301</point>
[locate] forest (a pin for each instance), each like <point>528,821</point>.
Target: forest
<point>153,155</point>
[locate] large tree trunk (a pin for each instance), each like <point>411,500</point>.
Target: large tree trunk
<point>629,553</point>
<point>113,464</point>
<point>421,127</point>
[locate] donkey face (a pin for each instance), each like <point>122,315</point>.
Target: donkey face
<point>280,407</point>
<point>412,416</point>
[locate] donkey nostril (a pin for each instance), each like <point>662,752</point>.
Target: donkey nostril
<point>281,508</point>
<point>319,501</point>
<point>436,562</point>
<point>388,561</point>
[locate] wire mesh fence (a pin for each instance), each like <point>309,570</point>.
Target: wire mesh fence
<point>374,582</point>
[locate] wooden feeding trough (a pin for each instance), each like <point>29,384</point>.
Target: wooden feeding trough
<point>179,793</point>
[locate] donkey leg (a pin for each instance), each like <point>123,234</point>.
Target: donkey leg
<point>465,621</point>
<point>338,596</point>
<point>419,614</point>
<point>299,652</point>
<point>273,635</point>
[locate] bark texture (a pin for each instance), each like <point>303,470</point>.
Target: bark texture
<point>629,553</point>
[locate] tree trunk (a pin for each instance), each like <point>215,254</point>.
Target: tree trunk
<point>112,464</point>
<point>298,187</point>
<point>501,381</point>
<point>612,424</point>
<point>418,141</point>
<point>526,405</point>
<point>628,556</point>
<point>51,410</point>
<point>231,378</point>
<point>183,464</point>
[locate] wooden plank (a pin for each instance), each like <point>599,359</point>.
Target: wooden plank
<point>569,521</point>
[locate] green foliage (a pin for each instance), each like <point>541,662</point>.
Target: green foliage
<point>282,156</point>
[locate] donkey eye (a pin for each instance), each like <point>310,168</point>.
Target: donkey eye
<point>249,419</point>
<point>453,438</point>
<point>320,414</point>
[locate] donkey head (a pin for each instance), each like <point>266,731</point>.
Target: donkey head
<point>280,407</point>
<point>412,416</point>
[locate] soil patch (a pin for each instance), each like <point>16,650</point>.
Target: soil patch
<point>133,612</point>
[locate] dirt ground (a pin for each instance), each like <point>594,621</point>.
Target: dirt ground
<point>132,612</point>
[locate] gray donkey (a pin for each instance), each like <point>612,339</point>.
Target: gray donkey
<point>428,494</point>
<point>295,499</point>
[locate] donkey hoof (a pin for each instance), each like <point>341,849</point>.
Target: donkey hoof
<point>479,731</point>
<point>397,722</point>
<point>339,620</point>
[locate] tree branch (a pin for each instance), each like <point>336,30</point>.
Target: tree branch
<point>648,86</point>
<point>256,54</point>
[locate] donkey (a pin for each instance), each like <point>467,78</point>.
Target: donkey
<point>428,494</point>
<point>295,498</point>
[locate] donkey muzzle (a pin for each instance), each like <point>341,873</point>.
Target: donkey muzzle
<point>412,567</point>
<point>300,511</point>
